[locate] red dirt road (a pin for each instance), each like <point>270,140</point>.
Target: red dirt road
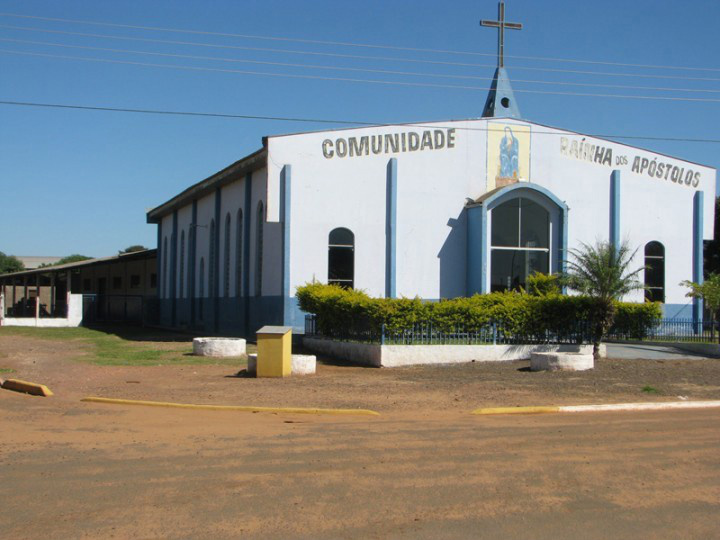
<point>71,470</point>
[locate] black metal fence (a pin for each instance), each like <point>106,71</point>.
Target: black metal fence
<point>687,330</point>
<point>669,330</point>
<point>427,334</point>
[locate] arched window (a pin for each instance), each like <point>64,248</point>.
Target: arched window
<point>238,253</point>
<point>212,270</point>
<point>165,262</point>
<point>226,262</point>
<point>341,258</point>
<point>520,243</point>
<point>654,272</point>
<point>259,250</point>
<point>201,286</point>
<point>182,264</point>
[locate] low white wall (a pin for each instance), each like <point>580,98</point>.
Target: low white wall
<point>408,355</point>
<point>370,354</point>
<point>366,354</point>
<point>73,319</point>
<point>75,310</point>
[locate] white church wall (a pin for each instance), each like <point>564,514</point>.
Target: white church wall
<point>333,191</point>
<point>666,217</point>
<point>330,192</point>
<point>651,208</point>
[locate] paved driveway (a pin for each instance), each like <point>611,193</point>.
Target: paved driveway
<point>648,352</point>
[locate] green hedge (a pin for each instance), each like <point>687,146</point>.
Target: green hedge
<point>345,311</point>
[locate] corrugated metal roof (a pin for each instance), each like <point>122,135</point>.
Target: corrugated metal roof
<point>145,254</point>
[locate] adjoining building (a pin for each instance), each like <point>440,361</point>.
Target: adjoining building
<point>121,288</point>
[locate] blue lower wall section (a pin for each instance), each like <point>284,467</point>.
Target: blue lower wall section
<point>678,311</point>
<point>263,310</point>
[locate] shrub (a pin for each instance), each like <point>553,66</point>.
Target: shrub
<point>345,313</point>
<point>635,320</point>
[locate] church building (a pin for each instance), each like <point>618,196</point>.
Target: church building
<point>432,209</point>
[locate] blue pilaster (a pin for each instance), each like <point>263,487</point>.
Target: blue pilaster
<point>615,209</point>
<point>563,255</point>
<point>285,177</point>
<point>698,200</point>
<point>391,230</point>
<point>475,266</point>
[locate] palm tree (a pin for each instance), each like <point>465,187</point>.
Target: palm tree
<point>602,272</point>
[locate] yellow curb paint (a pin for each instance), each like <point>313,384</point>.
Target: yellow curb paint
<point>28,387</point>
<point>297,410</point>
<point>606,407</point>
<point>517,410</point>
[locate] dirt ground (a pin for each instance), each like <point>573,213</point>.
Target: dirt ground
<point>425,469</point>
<point>59,364</point>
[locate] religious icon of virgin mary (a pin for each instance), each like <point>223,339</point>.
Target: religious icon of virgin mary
<point>509,149</point>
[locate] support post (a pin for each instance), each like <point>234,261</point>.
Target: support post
<point>698,201</point>
<point>37,298</point>
<point>52,294</point>
<point>25,296</point>
<point>285,179</point>
<point>615,209</point>
<point>391,231</point>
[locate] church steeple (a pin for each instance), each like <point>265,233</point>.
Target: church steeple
<point>501,100</point>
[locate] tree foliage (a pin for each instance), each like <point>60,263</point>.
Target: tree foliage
<point>602,273</point>
<point>132,249</point>
<point>708,291</point>
<point>10,263</point>
<point>76,257</point>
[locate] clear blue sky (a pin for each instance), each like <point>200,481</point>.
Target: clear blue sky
<point>80,181</point>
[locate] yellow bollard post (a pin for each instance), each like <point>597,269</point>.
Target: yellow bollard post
<point>274,358</point>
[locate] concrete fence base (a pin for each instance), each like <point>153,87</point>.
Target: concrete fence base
<point>376,355</point>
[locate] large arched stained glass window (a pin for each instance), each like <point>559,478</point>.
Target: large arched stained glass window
<point>654,272</point>
<point>520,243</point>
<point>341,258</point>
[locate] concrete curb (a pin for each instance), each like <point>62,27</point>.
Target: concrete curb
<point>657,406</point>
<point>27,387</point>
<point>296,410</point>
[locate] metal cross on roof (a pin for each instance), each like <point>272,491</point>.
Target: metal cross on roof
<point>501,25</point>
